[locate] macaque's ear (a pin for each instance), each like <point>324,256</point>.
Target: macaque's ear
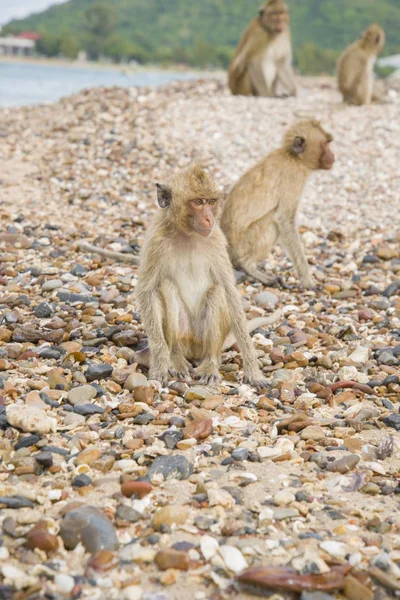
<point>299,145</point>
<point>261,12</point>
<point>378,39</point>
<point>164,195</point>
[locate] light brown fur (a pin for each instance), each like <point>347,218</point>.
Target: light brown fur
<point>262,207</point>
<point>186,290</point>
<point>356,65</point>
<point>263,58</point>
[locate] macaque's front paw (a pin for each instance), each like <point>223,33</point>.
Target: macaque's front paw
<point>308,283</point>
<point>258,382</point>
<point>207,375</point>
<point>160,375</point>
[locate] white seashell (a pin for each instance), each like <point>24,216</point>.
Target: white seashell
<point>233,559</point>
<point>209,547</point>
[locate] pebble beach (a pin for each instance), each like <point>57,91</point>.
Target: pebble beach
<point>114,488</point>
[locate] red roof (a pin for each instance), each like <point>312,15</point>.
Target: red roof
<point>29,35</point>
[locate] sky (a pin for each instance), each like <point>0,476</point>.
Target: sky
<point>11,9</point>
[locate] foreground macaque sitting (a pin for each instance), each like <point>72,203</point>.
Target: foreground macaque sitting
<point>261,209</point>
<point>186,291</point>
<point>355,72</point>
<point>263,58</point>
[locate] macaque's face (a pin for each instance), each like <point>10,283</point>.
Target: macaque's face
<point>327,157</point>
<point>275,21</point>
<point>374,38</point>
<point>314,148</point>
<point>201,215</point>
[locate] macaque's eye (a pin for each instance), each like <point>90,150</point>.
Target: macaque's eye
<point>212,201</point>
<point>198,202</point>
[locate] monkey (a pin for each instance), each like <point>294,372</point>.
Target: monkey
<point>186,289</point>
<point>261,208</point>
<point>355,67</point>
<point>263,57</point>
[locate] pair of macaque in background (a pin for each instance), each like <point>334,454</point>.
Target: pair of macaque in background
<point>186,291</point>
<point>263,59</point>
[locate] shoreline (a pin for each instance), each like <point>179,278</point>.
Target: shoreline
<point>77,64</point>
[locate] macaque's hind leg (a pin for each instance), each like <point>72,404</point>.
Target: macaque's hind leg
<point>252,269</point>
<point>176,323</point>
<point>212,328</point>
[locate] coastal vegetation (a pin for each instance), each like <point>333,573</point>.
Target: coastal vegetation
<point>202,34</point>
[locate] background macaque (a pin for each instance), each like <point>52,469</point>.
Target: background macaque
<point>186,290</point>
<point>261,208</point>
<point>355,72</point>
<point>264,55</point>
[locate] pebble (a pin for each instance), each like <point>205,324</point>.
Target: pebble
<point>200,429</point>
<point>170,515</point>
<point>86,524</point>
<point>81,394</point>
<point>170,467</point>
<point>98,372</point>
<point>30,419</point>
<point>172,559</point>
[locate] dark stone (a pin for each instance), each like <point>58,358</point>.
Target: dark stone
<point>49,401</point>
<point>56,450</point>
<point>307,535</point>
<point>183,546</point>
<point>49,353</point>
<point>88,409</point>
<point>236,494</point>
<point>153,539</point>
<point>316,596</point>
<point>125,338</point>
<point>6,592</point>
<point>171,438</point>
<point>100,391</point>
<point>375,383</point>
<point>387,404</point>
<point>16,502</point>
<point>396,351</point>
<point>43,310</point>
<point>304,496</point>
<point>227,461</point>
<point>3,418</point>
<point>372,291</point>
<point>27,441</point>
<point>393,421</point>
<point>89,526</point>
<point>391,379</point>
<point>98,372</point>
<point>370,259</point>
<point>200,498</point>
<point>392,289</point>
<point>143,419</point>
<point>170,467</point>
<point>204,523</point>
<point>1,384</point>
<point>70,298</point>
<point>79,270</point>
<point>44,459</point>
<point>240,454</point>
<point>387,358</point>
<point>254,457</point>
<point>82,480</point>
<point>126,513</point>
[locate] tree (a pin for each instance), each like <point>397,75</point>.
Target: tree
<point>101,20</point>
<point>48,44</point>
<point>69,45</point>
<point>312,60</point>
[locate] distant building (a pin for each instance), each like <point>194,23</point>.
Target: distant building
<point>29,35</point>
<point>15,46</point>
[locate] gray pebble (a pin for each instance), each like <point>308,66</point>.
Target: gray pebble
<point>89,526</point>
<point>170,467</point>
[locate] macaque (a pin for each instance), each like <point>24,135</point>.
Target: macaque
<point>261,209</point>
<point>263,58</point>
<point>186,290</point>
<point>355,71</point>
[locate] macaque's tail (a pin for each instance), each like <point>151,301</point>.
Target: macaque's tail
<point>253,325</point>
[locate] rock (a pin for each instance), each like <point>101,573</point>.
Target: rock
<point>313,432</point>
<point>284,497</point>
<point>16,502</point>
<point>197,393</point>
<point>88,409</point>
<point>344,465</point>
<point>281,448</point>
<point>43,310</point>
<point>135,380</point>
<point>71,298</point>
<point>217,497</point>
<point>172,559</point>
<point>30,419</point>
<point>44,459</point>
<point>144,394</point>
<point>233,559</point>
<point>393,421</point>
<point>133,592</point>
<point>170,515</point>
<point>64,584</point>
<point>82,480</point>
<point>88,456</point>
<point>285,579</point>
<point>316,596</point>
<point>335,549</point>
<point>171,437</point>
<point>138,489</point>
<point>387,358</point>
<point>39,537</point>
<point>128,514</point>
<point>170,467</point>
<point>240,454</point>
<point>360,355</point>
<point>52,284</point>
<point>200,429</point>
<point>81,394</point>
<point>89,526</point>
<point>281,514</point>
<point>212,402</point>
<point>98,372</point>
<point>266,300</point>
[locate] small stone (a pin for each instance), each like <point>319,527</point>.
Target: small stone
<point>126,513</point>
<point>144,394</point>
<point>138,489</point>
<point>266,300</point>
<point>16,502</point>
<point>44,459</point>
<point>197,393</point>
<point>355,590</point>
<point>335,549</point>
<point>313,432</point>
<point>393,421</point>
<point>344,465</point>
<point>52,284</point>
<point>82,480</point>
<point>135,380</point>
<point>89,526</point>
<point>172,559</point>
<point>281,514</point>
<point>219,497</point>
<point>170,467</point>
<point>81,394</point>
<point>64,583</point>
<point>170,515</point>
<point>30,419</point>
<point>88,456</point>
<point>133,592</point>
<point>388,359</point>
<point>233,559</point>
<point>371,489</point>
<point>98,372</point>
<point>39,537</point>
<point>171,437</point>
<point>284,497</point>
<point>240,454</point>
<point>212,403</point>
<point>200,429</point>
<point>316,596</point>
<point>43,310</point>
<point>88,409</point>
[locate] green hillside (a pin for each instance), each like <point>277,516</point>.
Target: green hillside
<point>206,31</point>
